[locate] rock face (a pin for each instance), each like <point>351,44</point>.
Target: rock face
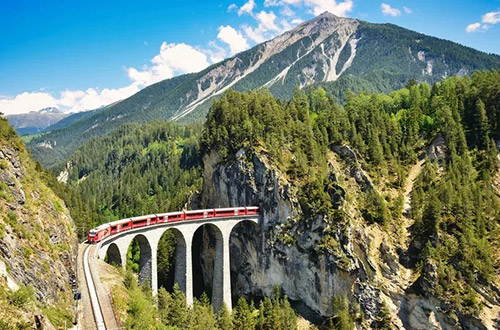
<point>283,251</point>
<point>37,240</point>
<point>289,251</point>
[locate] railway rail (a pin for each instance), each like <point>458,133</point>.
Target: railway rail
<point>94,300</point>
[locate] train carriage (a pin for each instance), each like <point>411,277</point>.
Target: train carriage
<point>230,211</point>
<point>199,214</point>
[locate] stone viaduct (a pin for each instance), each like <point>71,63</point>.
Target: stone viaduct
<point>116,248</point>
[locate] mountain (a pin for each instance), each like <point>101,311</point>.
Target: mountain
<point>340,54</point>
<point>34,122</point>
<point>37,243</point>
<point>69,120</point>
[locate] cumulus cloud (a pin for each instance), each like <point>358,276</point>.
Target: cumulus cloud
<point>316,7</point>
<point>234,39</point>
<point>173,59</point>
<point>267,20</point>
<point>332,6</point>
<point>286,11</point>
<point>247,8</point>
<point>389,11</point>
<point>473,27</point>
<point>407,10</point>
<point>69,100</point>
<point>488,20</point>
<point>255,34</point>
<point>26,102</point>
<point>491,18</point>
<point>267,27</point>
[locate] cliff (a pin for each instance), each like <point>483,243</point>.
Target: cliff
<point>316,258</point>
<point>37,244</point>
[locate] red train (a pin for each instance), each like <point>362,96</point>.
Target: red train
<point>97,234</point>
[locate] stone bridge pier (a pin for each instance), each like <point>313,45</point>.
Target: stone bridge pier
<point>116,248</point>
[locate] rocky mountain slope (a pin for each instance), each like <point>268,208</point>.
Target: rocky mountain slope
<point>37,244</point>
<point>340,54</point>
<point>35,121</point>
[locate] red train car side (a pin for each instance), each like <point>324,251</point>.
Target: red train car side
<point>199,214</point>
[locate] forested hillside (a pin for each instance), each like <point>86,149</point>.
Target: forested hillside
<point>134,170</point>
<point>347,165</point>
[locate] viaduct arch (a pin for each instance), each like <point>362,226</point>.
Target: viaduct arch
<point>116,246</point>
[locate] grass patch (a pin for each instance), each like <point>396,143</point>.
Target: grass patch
<point>58,206</point>
<point>59,317</point>
<point>21,297</point>
<point>4,191</point>
<point>12,218</point>
<point>2,230</point>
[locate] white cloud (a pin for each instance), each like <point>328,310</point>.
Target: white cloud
<point>254,33</point>
<point>407,10</point>
<point>173,59</point>
<point>267,27</point>
<point>26,102</point>
<point>232,7</point>
<point>286,11</point>
<point>316,7</point>
<point>234,39</point>
<point>267,21</point>
<point>216,52</point>
<point>332,6</point>
<point>473,27</point>
<point>247,8</point>
<point>270,3</point>
<point>488,20</point>
<point>388,10</point>
<point>68,100</point>
<point>491,18</point>
<point>297,21</point>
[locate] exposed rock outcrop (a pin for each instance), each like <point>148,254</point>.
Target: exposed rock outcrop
<point>37,241</point>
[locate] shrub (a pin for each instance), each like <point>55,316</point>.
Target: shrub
<point>21,297</point>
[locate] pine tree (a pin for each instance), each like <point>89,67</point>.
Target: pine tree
<point>224,321</point>
<point>341,319</point>
<point>243,318</point>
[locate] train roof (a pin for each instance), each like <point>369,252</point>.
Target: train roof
<point>169,213</point>
<point>101,227</point>
<point>119,222</point>
<point>229,208</point>
<point>143,217</point>
<point>252,207</point>
<point>199,211</point>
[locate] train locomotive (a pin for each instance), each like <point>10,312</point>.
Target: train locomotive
<point>97,234</point>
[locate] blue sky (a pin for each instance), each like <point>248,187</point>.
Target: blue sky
<point>80,55</point>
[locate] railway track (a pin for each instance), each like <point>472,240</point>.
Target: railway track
<point>94,300</point>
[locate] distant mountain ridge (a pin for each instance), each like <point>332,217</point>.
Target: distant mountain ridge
<point>338,54</point>
<point>34,122</point>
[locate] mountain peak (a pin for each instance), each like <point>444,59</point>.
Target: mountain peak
<point>328,15</point>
